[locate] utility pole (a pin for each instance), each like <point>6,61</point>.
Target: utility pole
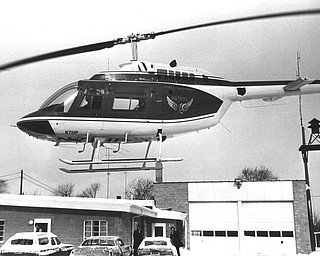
<point>21,182</point>
<point>313,145</point>
<point>304,153</point>
<point>108,184</point>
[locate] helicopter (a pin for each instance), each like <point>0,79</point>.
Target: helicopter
<point>144,101</point>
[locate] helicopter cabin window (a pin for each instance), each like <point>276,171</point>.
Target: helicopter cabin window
<point>162,74</point>
<point>178,76</point>
<point>185,76</point>
<point>92,98</point>
<point>192,77</point>
<point>171,75</point>
<point>129,104</point>
<point>205,78</point>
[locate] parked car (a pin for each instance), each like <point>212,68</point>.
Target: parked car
<point>35,243</point>
<point>102,245</point>
<point>157,246</point>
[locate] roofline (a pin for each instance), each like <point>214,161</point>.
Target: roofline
<point>136,207</point>
<point>75,203</point>
<point>221,181</point>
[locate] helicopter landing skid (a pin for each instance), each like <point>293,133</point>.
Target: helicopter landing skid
<point>121,161</point>
<point>126,169</point>
<point>95,160</point>
<point>157,166</point>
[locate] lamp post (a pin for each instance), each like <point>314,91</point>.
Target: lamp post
<point>313,144</point>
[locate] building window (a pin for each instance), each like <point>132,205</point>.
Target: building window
<point>232,233</point>
<point>208,233</point>
<point>196,233</point>
<point>42,225</point>
<point>220,233</point>
<point>250,233</point>
<point>274,234</point>
<point>287,233</point>
<point>159,229</point>
<point>95,228</point>
<point>2,222</point>
<point>262,233</point>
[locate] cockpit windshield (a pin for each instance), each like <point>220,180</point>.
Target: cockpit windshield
<point>61,100</point>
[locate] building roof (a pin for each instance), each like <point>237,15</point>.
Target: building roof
<point>138,207</point>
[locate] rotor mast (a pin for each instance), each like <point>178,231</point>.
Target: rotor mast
<point>134,39</point>
<point>134,50</point>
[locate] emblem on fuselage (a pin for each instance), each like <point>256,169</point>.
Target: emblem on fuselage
<point>181,106</point>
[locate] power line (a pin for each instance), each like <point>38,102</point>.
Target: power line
<point>34,183</point>
<point>40,182</point>
<point>30,179</point>
<point>12,179</point>
<point>10,174</point>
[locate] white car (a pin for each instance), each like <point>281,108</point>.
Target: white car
<point>35,243</point>
<point>157,246</point>
<point>102,246</point>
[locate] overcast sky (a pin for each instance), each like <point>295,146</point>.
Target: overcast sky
<point>252,134</point>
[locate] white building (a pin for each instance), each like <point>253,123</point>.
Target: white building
<point>256,218</point>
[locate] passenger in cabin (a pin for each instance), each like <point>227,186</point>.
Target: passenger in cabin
<point>141,105</point>
<point>86,102</point>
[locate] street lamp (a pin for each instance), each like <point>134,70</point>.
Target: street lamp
<point>238,182</point>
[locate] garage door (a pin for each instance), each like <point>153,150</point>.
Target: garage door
<point>246,227</point>
<point>214,227</point>
<point>269,226</point>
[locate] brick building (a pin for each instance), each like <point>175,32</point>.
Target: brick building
<point>255,217</point>
<point>73,218</point>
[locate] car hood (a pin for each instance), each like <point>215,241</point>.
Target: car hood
<point>93,250</point>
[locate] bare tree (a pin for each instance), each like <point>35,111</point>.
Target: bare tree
<point>140,189</point>
<point>66,190</point>
<point>91,191</point>
<point>4,187</point>
<point>260,173</point>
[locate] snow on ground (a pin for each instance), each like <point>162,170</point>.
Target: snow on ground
<point>185,252</point>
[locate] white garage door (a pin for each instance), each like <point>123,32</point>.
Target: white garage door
<point>246,227</point>
<point>269,226</point>
<point>214,227</point>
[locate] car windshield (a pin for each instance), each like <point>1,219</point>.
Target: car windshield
<point>62,99</point>
<point>98,241</point>
<point>22,241</point>
<point>155,242</point>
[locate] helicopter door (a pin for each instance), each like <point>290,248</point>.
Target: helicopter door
<point>129,102</point>
<point>90,100</point>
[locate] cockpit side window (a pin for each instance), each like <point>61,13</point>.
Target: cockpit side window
<point>92,98</point>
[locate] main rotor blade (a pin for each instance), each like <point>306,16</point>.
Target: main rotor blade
<point>60,53</point>
<point>237,20</point>
<point>147,36</point>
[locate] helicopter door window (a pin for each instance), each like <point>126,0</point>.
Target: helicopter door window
<point>128,104</point>
<point>92,99</point>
